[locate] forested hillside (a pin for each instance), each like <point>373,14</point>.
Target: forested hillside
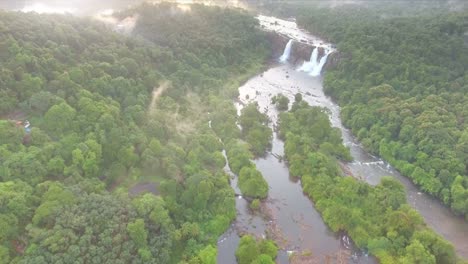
<point>402,82</point>
<point>86,92</point>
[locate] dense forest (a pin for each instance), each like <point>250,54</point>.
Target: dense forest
<point>401,79</point>
<point>89,116</point>
<point>378,218</point>
<point>95,131</point>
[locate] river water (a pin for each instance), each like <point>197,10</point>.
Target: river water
<point>293,213</point>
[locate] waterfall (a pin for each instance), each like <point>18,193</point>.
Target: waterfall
<point>287,51</point>
<point>314,67</point>
<point>308,66</point>
<point>313,57</point>
<point>318,69</point>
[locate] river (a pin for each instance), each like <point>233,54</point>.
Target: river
<point>293,214</point>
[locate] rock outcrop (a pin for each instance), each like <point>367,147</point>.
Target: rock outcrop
<point>278,42</point>
<point>333,60</point>
<point>300,51</point>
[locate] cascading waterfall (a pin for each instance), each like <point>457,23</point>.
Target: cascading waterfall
<point>318,69</point>
<point>287,51</point>
<point>314,67</point>
<point>307,66</point>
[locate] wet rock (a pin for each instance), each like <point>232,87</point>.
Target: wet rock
<point>334,59</point>
<point>299,51</point>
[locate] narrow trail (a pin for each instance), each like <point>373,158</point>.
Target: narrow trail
<point>157,92</point>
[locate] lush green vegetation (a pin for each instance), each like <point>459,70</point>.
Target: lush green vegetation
<point>209,44</point>
<point>251,182</point>
<point>96,131</point>
<point>401,79</point>
<point>255,129</point>
<point>93,226</point>
<point>86,90</point>
<point>281,102</point>
<point>376,218</point>
<point>218,58</point>
<point>252,251</point>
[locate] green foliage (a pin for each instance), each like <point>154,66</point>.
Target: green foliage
<point>317,135</point>
<point>214,43</point>
<point>208,255</point>
<point>238,156</point>
<point>416,253</point>
<point>376,218</point>
<point>255,129</point>
<point>252,251</point>
<point>255,204</point>
<point>282,102</point>
<point>137,232</point>
<point>4,254</point>
<point>224,121</point>
<point>298,98</point>
<point>16,208</point>
<point>59,118</point>
<point>55,197</point>
<point>10,135</point>
<point>98,224</point>
<point>252,183</point>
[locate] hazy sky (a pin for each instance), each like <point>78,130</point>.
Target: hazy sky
<point>75,6</point>
<point>82,7</point>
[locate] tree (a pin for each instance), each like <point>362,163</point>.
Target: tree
<point>282,102</point>
<point>53,198</point>
<point>208,255</point>
<point>42,101</point>
<point>252,183</point>
<point>59,118</point>
<point>298,98</point>
<point>417,254</point>
<point>127,156</point>
<point>263,259</point>
<point>258,252</point>
<point>138,233</point>
<point>247,250</point>
<point>459,195</point>
<point>9,134</point>
<point>255,129</point>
